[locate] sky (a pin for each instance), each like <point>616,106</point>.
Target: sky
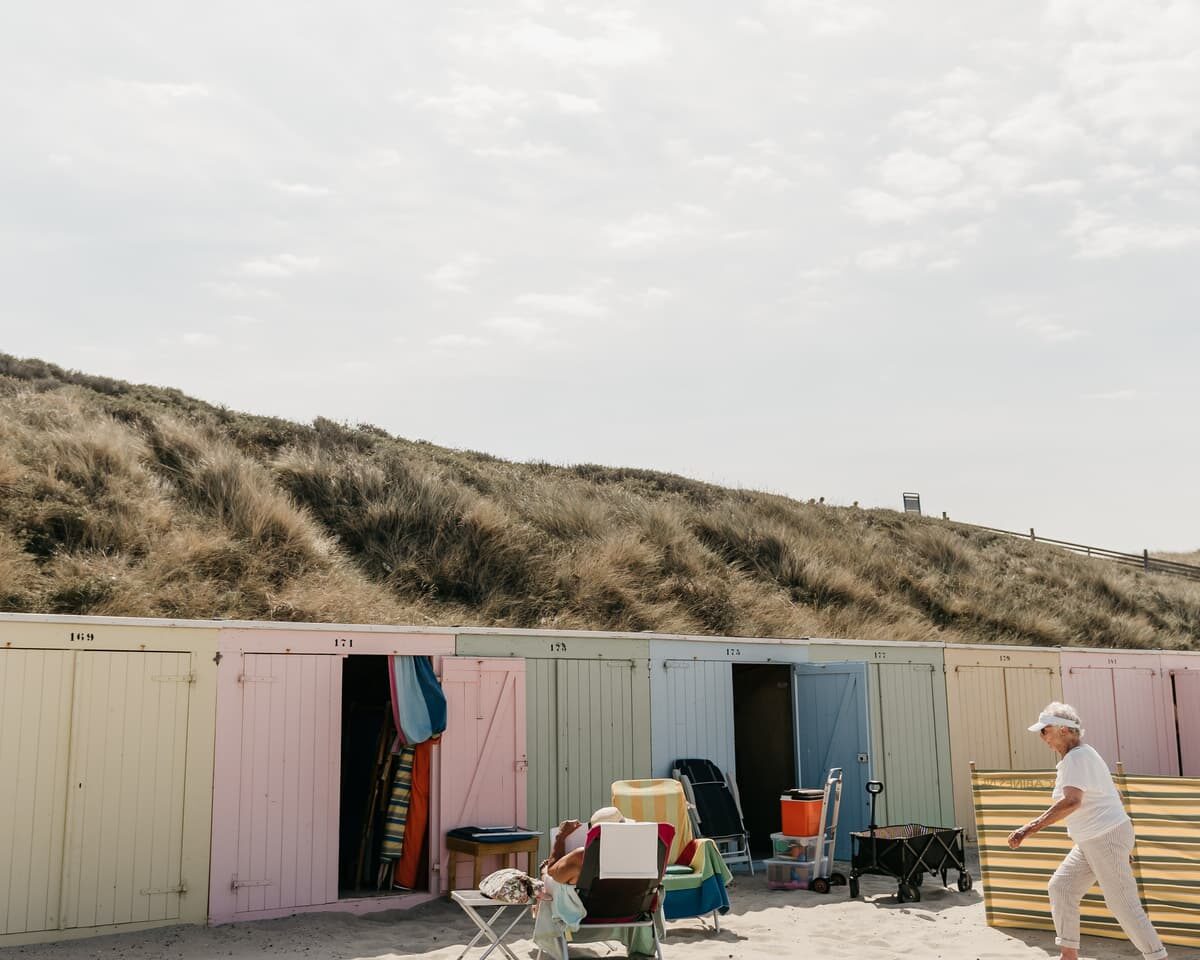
<point>819,247</point>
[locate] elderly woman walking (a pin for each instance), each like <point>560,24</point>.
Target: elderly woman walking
<point>1086,797</point>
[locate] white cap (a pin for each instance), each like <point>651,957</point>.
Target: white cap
<point>1050,720</point>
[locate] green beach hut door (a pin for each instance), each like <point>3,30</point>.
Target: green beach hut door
<point>833,729</point>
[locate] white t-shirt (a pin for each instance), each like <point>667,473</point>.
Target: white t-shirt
<point>1101,809</point>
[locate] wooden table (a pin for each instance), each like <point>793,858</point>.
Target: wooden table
<point>477,850</point>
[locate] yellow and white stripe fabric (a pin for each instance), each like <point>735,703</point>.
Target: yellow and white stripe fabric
<point>656,801</point>
<point>1166,860</point>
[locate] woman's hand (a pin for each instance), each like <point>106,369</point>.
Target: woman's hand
<point>1017,836</point>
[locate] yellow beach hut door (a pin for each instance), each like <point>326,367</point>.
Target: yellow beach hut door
<point>125,788</point>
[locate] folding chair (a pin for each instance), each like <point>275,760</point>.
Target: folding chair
<point>696,876</point>
<point>716,808</point>
<point>472,901</point>
<point>620,881</point>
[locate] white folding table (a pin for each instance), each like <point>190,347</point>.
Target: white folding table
<point>472,902</point>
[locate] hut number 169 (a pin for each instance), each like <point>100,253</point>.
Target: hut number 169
<point>88,637</point>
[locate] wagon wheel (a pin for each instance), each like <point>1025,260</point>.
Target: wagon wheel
<point>909,891</point>
<point>854,888</point>
<point>820,885</point>
<point>965,882</point>
<point>837,879</point>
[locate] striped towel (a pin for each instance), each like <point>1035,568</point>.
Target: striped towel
<point>658,801</point>
<point>396,817</point>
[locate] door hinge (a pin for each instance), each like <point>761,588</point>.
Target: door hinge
<point>182,678</point>
<point>521,764</point>
<point>180,888</point>
<point>237,884</point>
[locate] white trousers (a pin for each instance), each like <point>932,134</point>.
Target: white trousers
<point>1104,860</point>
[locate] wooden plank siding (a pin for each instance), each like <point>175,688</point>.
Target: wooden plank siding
<point>124,843</point>
<point>587,714</point>
<point>913,703</point>
<point>106,725</point>
<point>35,720</point>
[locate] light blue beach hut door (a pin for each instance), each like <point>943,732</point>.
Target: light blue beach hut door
<point>834,730</point>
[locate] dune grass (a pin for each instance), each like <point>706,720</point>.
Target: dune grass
<point>134,500</point>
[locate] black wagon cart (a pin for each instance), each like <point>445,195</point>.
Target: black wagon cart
<point>907,852</point>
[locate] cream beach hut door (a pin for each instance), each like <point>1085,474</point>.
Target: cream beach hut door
<point>35,707</point>
<point>125,788</point>
<point>482,753</point>
<point>287,783</point>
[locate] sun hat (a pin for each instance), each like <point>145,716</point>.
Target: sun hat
<point>1050,720</point>
<point>608,815</point>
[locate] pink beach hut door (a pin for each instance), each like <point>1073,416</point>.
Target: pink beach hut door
<point>277,791</point>
<point>1187,717</point>
<point>483,759</point>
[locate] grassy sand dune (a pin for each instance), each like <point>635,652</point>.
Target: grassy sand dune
<point>132,500</point>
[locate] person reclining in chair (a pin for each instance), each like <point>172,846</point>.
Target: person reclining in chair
<point>563,866</point>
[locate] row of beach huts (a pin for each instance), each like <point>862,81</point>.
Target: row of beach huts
<point>156,772</point>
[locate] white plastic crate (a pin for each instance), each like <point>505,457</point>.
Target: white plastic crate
<point>784,847</point>
<point>788,874</point>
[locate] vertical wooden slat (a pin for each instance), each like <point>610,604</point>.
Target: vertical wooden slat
<point>179,746</point>
<point>305,790</point>
<point>35,705</point>
<point>124,875</point>
<point>294,707</point>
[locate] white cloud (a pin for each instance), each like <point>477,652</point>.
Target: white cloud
<point>758,174</point>
<point>613,39</point>
<point>521,151</point>
<point>919,173</point>
<point>229,290</point>
<point>279,266</point>
<point>456,341</point>
<point>525,329</point>
<point>949,120</point>
<point>654,297</point>
<point>471,101</point>
<point>571,304</point>
<point>570,103</point>
<point>455,275</point>
<point>891,256</point>
<point>1125,394</point>
<point>1101,236</point>
<point>1041,124</point>
<point>300,189</point>
<point>945,263</point>
<point>161,94</point>
<point>244,319</point>
<point>199,339</point>
<point>751,26</point>
<point>643,230</point>
<point>1054,188</point>
<point>830,18</point>
<point>875,206</point>
<point>1050,330</point>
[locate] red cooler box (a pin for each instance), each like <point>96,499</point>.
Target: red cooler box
<point>800,811</point>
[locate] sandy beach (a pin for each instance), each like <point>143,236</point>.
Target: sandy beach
<point>762,924</point>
